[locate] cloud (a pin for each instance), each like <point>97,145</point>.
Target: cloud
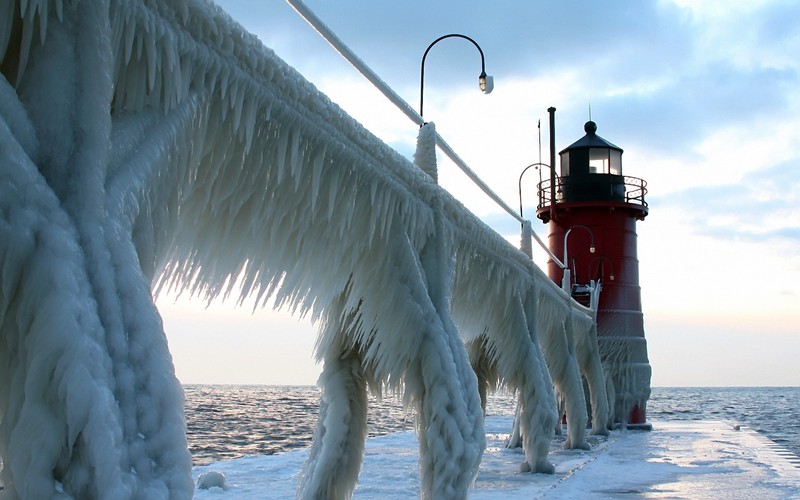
<point>763,206</point>
<point>678,116</point>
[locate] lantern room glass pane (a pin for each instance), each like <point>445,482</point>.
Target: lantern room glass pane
<point>598,160</point>
<point>616,162</point>
<point>564,164</point>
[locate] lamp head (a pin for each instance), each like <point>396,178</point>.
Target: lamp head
<point>486,83</point>
<point>592,249</point>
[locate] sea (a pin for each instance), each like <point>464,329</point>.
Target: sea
<point>231,421</point>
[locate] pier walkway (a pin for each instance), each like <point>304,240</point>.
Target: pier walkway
<point>677,459</point>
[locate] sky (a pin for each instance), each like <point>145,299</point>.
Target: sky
<point>702,96</point>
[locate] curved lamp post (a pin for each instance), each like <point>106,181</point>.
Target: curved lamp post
<point>520,181</point>
<point>566,281</point>
<point>485,82</point>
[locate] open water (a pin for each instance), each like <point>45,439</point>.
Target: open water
<point>231,421</point>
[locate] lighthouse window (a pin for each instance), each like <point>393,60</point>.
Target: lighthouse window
<point>598,161</point>
<point>565,164</point>
<point>615,166</point>
<point>605,161</point>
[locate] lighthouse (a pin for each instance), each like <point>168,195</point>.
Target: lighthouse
<point>592,208</point>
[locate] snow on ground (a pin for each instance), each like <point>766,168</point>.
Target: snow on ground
<point>681,459</point>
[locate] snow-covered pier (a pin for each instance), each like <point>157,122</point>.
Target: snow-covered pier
<point>679,459</point>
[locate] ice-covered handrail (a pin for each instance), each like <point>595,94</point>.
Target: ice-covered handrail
<point>406,108</point>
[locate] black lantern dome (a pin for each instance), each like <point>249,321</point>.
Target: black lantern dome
<point>591,169</point>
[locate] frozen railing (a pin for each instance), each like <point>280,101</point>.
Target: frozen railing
<point>630,190</point>
<point>635,189</point>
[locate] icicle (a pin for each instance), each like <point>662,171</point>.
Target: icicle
<point>117,33</point>
<point>186,67</point>
<point>170,50</point>
<point>373,192</point>
<point>7,16</point>
<point>294,153</point>
<point>333,193</point>
<point>316,176</point>
<point>152,60</point>
<point>281,150</point>
<point>27,38</point>
<point>156,96</point>
<point>212,76</point>
<point>236,99</point>
<point>225,78</point>
<point>249,125</point>
<point>129,37</point>
<point>184,12</point>
<point>43,12</point>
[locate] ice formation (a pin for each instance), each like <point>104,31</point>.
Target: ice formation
<point>211,479</point>
<point>151,145</point>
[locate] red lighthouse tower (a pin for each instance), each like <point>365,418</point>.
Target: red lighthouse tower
<point>592,209</point>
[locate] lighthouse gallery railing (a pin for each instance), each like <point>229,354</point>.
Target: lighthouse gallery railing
<point>634,191</point>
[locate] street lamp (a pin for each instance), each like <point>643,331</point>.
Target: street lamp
<point>485,82</point>
<point>566,281</point>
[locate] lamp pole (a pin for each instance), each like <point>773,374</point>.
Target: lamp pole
<point>539,164</point>
<point>551,111</point>
<point>566,281</point>
<point>485,82</point>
